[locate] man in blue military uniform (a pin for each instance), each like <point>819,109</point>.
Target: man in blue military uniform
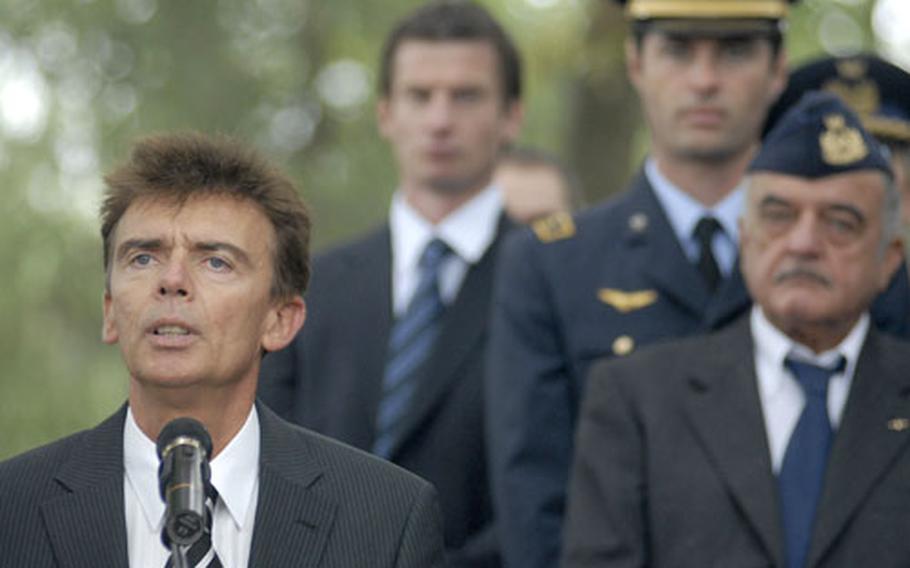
<point>656,263</point>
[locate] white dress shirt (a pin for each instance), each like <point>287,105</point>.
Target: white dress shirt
<point>683,211</point>
<point>782,399</point>
<point>469,231</point>
<point>235,474</point>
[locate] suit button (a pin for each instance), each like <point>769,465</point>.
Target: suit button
<point>623,345</point>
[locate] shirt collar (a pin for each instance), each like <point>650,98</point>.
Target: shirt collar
<point>774,346</point>
<point>684,211</point>
<point>469,230</point>
<point>235,470</point>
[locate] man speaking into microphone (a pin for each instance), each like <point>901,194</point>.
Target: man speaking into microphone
<point>206,259</point>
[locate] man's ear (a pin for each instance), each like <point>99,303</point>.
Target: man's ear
<point>781,71</point>
<point>514,118</point>
<point>633,61</point>
<point>383,114</point>
<point>284,321</point>
<point>109,333</point>
<point>893,257</point>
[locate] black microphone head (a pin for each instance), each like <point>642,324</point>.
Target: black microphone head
<point>184,427</point>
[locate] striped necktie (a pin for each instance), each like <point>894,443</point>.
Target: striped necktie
<point>411,341</point>
<point>201,554</point>
<point>802,473</point>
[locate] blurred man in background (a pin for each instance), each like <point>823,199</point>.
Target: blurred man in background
<point>534,184</point>
<point>391,359</point>
<point>654,263</point>
<point>781,440</point>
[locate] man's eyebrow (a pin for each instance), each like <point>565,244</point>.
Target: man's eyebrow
<point>849,210</point>
<point>217,246</point>
<point>138,244</point>
<point>769,200</point>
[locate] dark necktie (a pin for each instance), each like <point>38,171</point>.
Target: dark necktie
<point>803,470</point>
<point>707,264</point>
<point>201,554</point>
<point>411,341</point>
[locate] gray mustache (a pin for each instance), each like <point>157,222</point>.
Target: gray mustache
<point>801,273</point>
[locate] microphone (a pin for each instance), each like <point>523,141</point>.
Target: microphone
<point>183,447</point>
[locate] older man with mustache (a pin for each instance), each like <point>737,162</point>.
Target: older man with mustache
<point>784,439</point>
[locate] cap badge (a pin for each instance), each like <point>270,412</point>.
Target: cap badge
<point>861,95</point>
<point>841,144</point>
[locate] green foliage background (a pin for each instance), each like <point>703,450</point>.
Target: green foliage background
<point>81,79</point>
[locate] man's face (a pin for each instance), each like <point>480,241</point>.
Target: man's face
<point>445,115</point>
<point>705,99</point>
<point>812,252</point>
<point>189,297</point>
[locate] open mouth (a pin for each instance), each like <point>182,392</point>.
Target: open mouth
<point>170,330</point>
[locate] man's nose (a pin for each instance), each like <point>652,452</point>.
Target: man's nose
<point>174,280</point>
<point>440,112</point>
<point>805,237</point>
<point>704,74</point>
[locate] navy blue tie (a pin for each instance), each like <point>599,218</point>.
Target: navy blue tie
<point>707,263</point>
<point>410,343</point>
<point>802,473</point>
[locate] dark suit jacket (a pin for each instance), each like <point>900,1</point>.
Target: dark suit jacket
<point>673,467</point>
<point>321,504</point>
<point>329,379</point>
<point>550,323</point>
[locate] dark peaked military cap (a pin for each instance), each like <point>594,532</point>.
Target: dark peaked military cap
<point>722,17</point>
<point>820,136</point>
<point>875,89</point>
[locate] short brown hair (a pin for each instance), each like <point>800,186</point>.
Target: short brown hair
<point>454,20</point>
<point>177,167</point>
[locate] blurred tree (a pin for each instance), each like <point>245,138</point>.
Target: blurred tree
<point>80,80</point>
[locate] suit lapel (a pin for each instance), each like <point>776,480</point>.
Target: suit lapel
<point>365,322</point>
<point>723,406</point>
<point>865,445</point>
<point>463,332</point>
<point>672,273</point>
<point>668,267</point>
<point>292,521</point>
<point>87,526</point>
<point>731,300</point>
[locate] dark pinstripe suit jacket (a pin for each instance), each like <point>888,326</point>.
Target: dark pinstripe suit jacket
<point>320,504</point>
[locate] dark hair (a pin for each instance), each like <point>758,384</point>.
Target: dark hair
<point>454,20</point>
<point>177,167</point>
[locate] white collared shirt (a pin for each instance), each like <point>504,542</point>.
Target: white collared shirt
<point>683,211</point>
<point>235,474</point>
<point>469,231</point>
<point>782,399</point>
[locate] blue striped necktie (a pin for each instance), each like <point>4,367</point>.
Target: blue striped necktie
<point>803,470</point>
<point>201,554</point>
<point>411,341</point>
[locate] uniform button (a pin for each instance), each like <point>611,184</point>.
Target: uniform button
<point>623,345</point>
<point>638,222</point>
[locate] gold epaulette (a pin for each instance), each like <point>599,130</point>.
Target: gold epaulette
<point>555,227</point>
